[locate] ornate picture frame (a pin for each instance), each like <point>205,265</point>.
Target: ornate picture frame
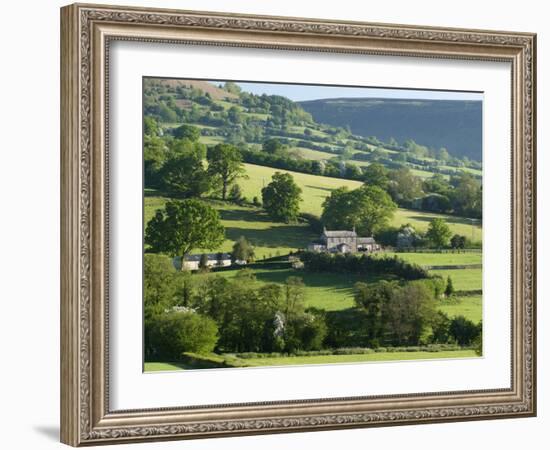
<point>87,31</point>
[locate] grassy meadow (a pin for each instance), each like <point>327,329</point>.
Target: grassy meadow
<point>315,188</point>
<point>334,292</point>
<point>440,259</point>
<point>324,359</point>
<point>468,306</point>
<point>463,279</point>
<point>372,357</point>
<point>420,220</point>
<point>328,291</point>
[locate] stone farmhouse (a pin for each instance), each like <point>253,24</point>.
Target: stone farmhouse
<point>343,241</point>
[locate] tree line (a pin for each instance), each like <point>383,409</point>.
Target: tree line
<point>213,313</point>
<point>362,264</point>
<point>393,313</point>
<point>176,164</point>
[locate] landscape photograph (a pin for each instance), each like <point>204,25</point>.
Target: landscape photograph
<point>296,224</point>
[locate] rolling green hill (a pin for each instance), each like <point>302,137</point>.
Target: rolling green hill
<point>453,124</point>
<point>319,136</point>
<point>315,188</point>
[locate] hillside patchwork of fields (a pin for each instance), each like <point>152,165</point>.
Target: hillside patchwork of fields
<point>315,188</point>
<point>271,237</point>
<point>216,115</point>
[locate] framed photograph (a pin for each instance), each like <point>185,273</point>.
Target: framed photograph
<point>277,224</point>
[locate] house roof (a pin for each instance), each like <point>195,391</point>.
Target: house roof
<point>340,233</point>
<point>211,257</point>
<point>366,240</point>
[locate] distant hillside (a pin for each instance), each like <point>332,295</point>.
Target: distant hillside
<point>455,125</point>
<point>215,92</point>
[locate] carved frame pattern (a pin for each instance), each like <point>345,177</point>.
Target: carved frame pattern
<point>86,33</point>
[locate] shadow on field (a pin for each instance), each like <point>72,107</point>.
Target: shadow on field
<point>329,281</point>
<point>245,215</point>
<point>293,236</point>
<point>320,188</point>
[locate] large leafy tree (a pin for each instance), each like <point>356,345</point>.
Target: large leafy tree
<point>243,314</point>
<point>185,175</point>
<point>154,156</point>
<point>232,87</point>
<point>467,195</point>
<point>281,198</point>
<point>396,314</point>
<point>225,165</point>
<point>272,146</point>
<point>371,299</point>
<point>376,174</point>
<point>179,147</point>
<point>411,309</point>
<point>464,331</point>
<point>187,132</point>
<point>235,115</point>
<point>404,186</point>
<point>242,250</point>
<point>169,335</point>
<point>438,233</point>
<point>458,242</point>
<point>154,151</point>
<point>436,184</point>
<point>159,284</point>
<point>183,226</point>
<point>150,126</point>
<point>368,209</point>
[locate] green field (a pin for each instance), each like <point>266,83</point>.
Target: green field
<point>315,188</point>
<point>359,162</point>
<point>328,291</point>
<point>257,116</point>
<point>163,366</point>
<point>315,155</point>
<point>463,279</point>
<point>468,306</point>
<point>211,140</point>
<point>439,259</point>
<point>373,357</point>
<point>301,129</point>
<point>471,170</point>
<point>420,220</point>
<point>334,292</point>
<point>425,174</point>
<point>227,104</point>
<point>328,359</point>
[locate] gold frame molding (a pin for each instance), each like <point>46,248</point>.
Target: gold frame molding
<point>86,31</point>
